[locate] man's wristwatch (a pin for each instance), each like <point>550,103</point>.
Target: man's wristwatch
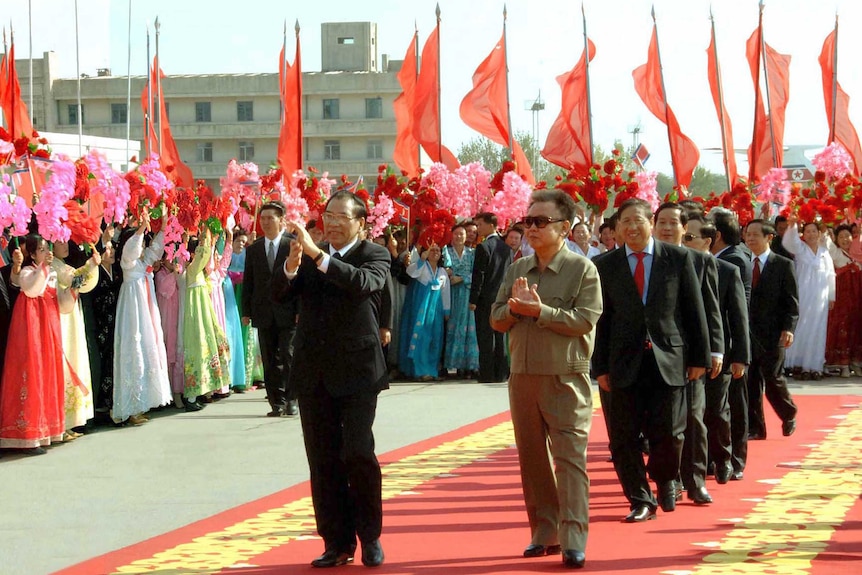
<point>318,257</point>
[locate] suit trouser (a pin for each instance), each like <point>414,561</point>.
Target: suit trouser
<point>346,482</point>
<point>276,353</point>
<point>493,365</point>
<point>551,416</point>
<point>716,417</point>
<point>657,409</point>
<point>766,373</point>
<point>692,467</point>
<point>737,400</point>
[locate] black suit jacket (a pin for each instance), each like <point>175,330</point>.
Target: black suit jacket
<point>734,314</point>
<point>338,340</point>
<point>257,300</point>
<point>742,260</point>
<point>673,319</point>
<point>774,304</point>
<point>707,272</point>
<point>493,257</point>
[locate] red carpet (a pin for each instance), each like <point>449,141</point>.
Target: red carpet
<point>797,511</point>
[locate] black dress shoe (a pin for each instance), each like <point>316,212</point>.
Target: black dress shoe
<point>275,413</point>
<point>193,406</point>
<point>756,436</point>
<point>292,408</point>
<point>788,427</point>
<point>372,554</point>
<point>333,558</point>
<point>533,550</point>
<point>640,513</point>
<point>574,559</point>
<point>667,495</point>
<point>700,496</point>
<point>723,473</point>
<point>736,476</point>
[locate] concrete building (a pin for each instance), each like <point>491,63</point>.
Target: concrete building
<point>349,124</point>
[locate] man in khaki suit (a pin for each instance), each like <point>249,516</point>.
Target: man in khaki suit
<point>550,303</point>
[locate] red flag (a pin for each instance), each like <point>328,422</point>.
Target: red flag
<point>839,117</point>
<point>568,142</point>
<point>14,109</point>
<point>714,73</point>
<point>485,108</point>
<point>169,157</point>
<point>762,155</point>
<point>426,105</point>
<point>406,154</point>
<point>648,84</point>
<point>290,137</point>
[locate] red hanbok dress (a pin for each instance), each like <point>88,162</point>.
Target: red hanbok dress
<point>32,395</point>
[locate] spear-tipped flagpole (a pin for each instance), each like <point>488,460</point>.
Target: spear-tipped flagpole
<point>834,118</point>
<point>724,151</point>
<point>30,36</point>
<point>283,74</point>
<point>296,62</point>
<point>148,120</point>
<point>129,88</point>
<point>587,71</point>
<point>437,72</point>
<point>10,63</point>
<point>159,94</point>
<point>508,107</point>
<point>78,73</point>
<point>766,86</point>
<point>664,96</point>
<point>4,71</point>
<point>415,80</point>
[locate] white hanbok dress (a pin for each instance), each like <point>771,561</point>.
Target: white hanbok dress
<point>815,277</point>
<point>140,361</point>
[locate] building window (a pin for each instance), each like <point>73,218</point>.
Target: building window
<point>118,113</point>
<point>374,149</point>
<point>72,113</point>
<point>330,109</point>
<point>245,111</point>
<point>331,150</point>
<point>205,152</point>
<point>246,151</point>
<point>347,40</point>
<point>373,107</point>
<point>203,112</point>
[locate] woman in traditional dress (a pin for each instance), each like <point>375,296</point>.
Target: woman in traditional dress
<point>205,345</point>
<point>235,244</point>
<point>815,276</point>
<point>104,301</point>
<point>168,298</point>
<point>462,351</point>
<point>32,394</point>
<point>216,271</point>
<point>76,367</point>
<point>842,334</point>
<point>140,360</point>
<point>423,319</point>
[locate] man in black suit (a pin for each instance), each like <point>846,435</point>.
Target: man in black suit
<point>651,338</point>
<point>772,313</point>
<point>670,222</point>
<point>493,257</point>
<point>775,244</point>
<point>338,371</point>
<point>275,321</point>
<point>737,349</point>
<point>728,247</point>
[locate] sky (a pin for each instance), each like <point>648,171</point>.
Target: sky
<point>544,39</point>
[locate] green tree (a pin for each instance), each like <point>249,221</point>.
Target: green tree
<point>492,156</point>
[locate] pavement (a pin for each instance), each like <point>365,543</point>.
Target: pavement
<point>115,487</point>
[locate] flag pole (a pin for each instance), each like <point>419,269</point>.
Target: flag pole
<point>416,81</point>
<point>148,120</point>
<point>78,79</point>
<point>296,62</point>
<point>282,87</point>
<point>10,63</point>
<point>159,93</point>
<point>439,115</point>
<point>129,89</point>
<point>766,85</point>
<point>724,151</point>
<point>664,96</point>
<point>4,72</point>
<point>833,119</point>
<point>30,36</point>
<point>508,107</point>
<point>587,70</point>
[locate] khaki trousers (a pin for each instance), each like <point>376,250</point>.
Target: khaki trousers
<point>551,415</point>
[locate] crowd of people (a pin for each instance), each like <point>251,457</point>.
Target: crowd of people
<point>684,319</point>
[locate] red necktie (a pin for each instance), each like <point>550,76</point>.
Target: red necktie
<point>639,273</point>
<point>755,275</point>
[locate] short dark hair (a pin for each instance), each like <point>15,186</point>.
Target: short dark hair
<point>311,225</point>
<point>779,219</point>
<point>360,210</point>
<point>767,228</point>
<point>691,206</point>
<point>487,217</point>
<point>843,228</point>
<point>707,229</point>
<point>581,223</point>
<point>31,244</point>
<point>683,214</point>
<point>458,225</point>
<point>275,205</point>
<point>727,224</point>
<point>561,200</point>
<point>816,224</point>
<point>516,228</point>
<point>642,206</point>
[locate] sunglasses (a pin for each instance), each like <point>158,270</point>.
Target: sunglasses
<point>690,237</point>
<point>539,221</point>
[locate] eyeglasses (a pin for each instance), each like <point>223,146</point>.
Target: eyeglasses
<point>539,221</point>
<point>330,218</point>
<point>690,237</point>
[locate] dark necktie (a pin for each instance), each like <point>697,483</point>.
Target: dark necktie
<point>639,273</point>
<point>337,256</point>
<point>755,275</point>
<point>270,255</point>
